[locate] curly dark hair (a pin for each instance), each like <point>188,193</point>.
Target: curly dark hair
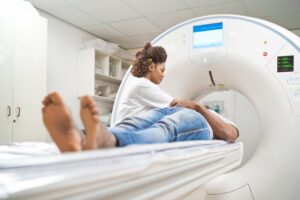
<point>147,56</point>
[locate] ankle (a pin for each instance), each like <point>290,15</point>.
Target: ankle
<point>108,141</point>
<point>112,140</point>
<point>82,134</point>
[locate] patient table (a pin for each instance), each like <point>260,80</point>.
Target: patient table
<point>159,171</point>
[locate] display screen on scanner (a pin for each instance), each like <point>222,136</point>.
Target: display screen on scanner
<point>208,35</point>
<point>285,63</point>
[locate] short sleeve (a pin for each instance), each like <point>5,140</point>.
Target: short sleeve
<point>154,96</point>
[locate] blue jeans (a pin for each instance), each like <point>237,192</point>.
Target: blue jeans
<point>161,126</point>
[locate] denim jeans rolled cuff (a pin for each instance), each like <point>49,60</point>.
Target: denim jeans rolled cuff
<point>164,125</point>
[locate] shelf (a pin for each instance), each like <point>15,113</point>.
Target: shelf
<point>103,99</point>
<point>103,77</point>
<point>102,74</point>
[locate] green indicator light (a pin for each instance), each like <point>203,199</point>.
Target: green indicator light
<point>287,66</point>
<point>285,62</point>
<point>284,58</point>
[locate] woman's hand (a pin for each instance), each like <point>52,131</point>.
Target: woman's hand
<point>184,103</point>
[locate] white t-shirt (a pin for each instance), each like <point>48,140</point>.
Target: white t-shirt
<point>225,120</point>
<point>140,95</point>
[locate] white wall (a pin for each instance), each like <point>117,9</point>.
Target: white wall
<point>64,41</point>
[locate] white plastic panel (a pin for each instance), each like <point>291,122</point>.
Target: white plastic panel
<point>290,81</point>
<point>243,191</point>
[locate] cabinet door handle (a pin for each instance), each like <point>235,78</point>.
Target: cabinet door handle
<point>18,111</point>
<point>8,111</point>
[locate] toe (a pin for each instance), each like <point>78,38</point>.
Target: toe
<point>84,101</point>
<point>46,101</point>
<point>94,111</point>
<point>95,118</point>
<point>56,98</point>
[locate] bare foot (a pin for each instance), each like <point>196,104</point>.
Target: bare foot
<point>58,120</point>
<point>97,135</point>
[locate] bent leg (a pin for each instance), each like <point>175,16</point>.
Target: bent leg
<point>187,125</point>
<point>139,122</point>
<point>176,124</point>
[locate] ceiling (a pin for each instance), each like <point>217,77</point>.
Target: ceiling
<point>131,23</point>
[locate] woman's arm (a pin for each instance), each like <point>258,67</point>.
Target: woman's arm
<point>174,102</point>
<point>221,129</point>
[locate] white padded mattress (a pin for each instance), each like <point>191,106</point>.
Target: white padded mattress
<point>159,171</point>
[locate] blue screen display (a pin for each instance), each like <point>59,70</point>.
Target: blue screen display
<point>208,35</point>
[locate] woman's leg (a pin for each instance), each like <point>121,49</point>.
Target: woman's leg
<point>140,121</point>
<point>123,129</point>
<point>162,125</point>
<point>188,125</point>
